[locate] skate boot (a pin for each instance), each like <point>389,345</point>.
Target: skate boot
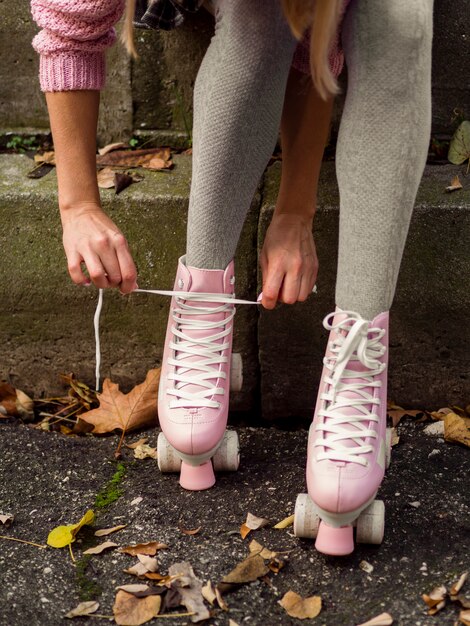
<point>348,446</point>
<point>193,396</point>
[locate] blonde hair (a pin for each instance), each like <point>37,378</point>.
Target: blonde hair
<point>321,15</point>
<point>323,18</point>
<point>127,35</point>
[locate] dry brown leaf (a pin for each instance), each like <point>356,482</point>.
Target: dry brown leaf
<point>457,429</point>
<point>193,531</point>
<point>102,532</point>
<point>252,523</point>
<point>285,523</point>
<point>150,548</point>
<point>14,402</point>
<point>84,608</point>
<point>454,590</point>
<point>395,439</point>
<point>138,569</point>
<point>107,545</point>
<point>136,409</point>
<point>220,601</point>
<point>144,451</point>
<point>137,443</point>
<point>249,570</point>
<point>150,158</point>
<point>135,588</point>
<point>131,611</point>
<point>190,590</point>
<point>257,548</point>
<point>435,599</point>
<point>45,157</point>
<point>396,413</point>
<point>7,519</point>
<point>301,608</point>
<point>208,593</point>
<point>232,623</point>
<point>149,562</point>
<point>455,184</point>
<point>105,178</point>
<point>384,619</point>
<point>464,617</point>
<point>110,147</point>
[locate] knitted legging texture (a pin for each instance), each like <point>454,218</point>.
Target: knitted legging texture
<point>238,99</point>
<point>382,145</point>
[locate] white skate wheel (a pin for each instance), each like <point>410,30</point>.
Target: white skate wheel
<point>236,372</point>
<point>306,520</point>
<point>388,447</point>
<point>371,523</point>
<point>227,457</point>
<point>168,460</point>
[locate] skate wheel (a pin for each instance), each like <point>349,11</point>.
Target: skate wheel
<point>306,520</point>
<point>371,523</point>
<point>388,447</point>
<point>236,372</point>
<point>227,457</point>
<point>168,460</point>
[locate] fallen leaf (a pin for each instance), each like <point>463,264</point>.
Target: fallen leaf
<point>190,589</point>
<point>192,531</point>
<point>456,587</point>
<point>285,523</point>
<point>7,519</point>
<point>102,532</point>
<point>40,170</point>
<point>252,523</point>
<point>455,184</point>
<point>148,562</point>
<point>136,409</point>
<point>110,147</point>
<point>131,611</point>
<point>464,617</point>
<point>232,623</point>
<point>138,569</point>
<point>137,443</point>
<point>122,181</point>
<point>220,601</point>
<point>144,451</point>
<point>395,438</point>
<point>459,148</point>
<point>396,413</point>
<point>150,158</point>
<point>257,548</point>
<point>384,619</point>
<point>249,570</point>
<point>134,588</point>
<point>45,157</point>
<point>208,593</point>
<point>301,608</point>
<point>150,548</point>
<point>105,178</point>
<point>456,429</point>
<point>84,608</point>
<point>435,599</point>
<point>14,402</point>
<point>62,536</point>
<point>107,545</point>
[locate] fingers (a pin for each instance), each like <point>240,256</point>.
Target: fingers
<point>272,282</point>
<point>127,267</point>
<point>288,286</point>
<point>74,264</point>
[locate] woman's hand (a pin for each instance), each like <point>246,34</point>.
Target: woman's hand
<point>288,260</point>
<point>92,239</point>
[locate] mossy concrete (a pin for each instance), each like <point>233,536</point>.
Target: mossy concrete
<point>46,322</point>
<point>429,363</point>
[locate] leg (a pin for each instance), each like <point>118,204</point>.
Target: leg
<point>380,159</point>
<point>238,100</point>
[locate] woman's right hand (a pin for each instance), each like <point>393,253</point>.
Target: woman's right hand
<point>91,239</point>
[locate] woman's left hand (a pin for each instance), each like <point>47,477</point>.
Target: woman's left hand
<point>289,262</point>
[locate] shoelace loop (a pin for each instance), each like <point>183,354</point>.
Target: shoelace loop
<point>355,341</point>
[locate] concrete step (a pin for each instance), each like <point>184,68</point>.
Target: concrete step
<point>46,322</point>
<point>155,92</point>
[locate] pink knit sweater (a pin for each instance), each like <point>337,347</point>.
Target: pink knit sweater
<point>76,33</point>
<point>73,40</point>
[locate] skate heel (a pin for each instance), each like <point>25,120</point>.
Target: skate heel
<point>334,541</point>
<point>197,477</point>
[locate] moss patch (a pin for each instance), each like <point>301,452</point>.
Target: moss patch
<point>112,491</point>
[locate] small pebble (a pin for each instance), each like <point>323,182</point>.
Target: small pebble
<point>415,504</point>
<point>366,567</point>
<point>136,501</point>
<point>434,453</point>
<point>47,570</point>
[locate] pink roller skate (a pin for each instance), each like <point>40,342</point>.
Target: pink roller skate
<point>348,445</point>
<point>196,377</point>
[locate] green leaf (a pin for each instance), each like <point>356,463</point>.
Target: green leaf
<point>459,149</point>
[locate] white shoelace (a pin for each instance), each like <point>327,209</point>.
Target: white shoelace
<point>185,345</point>
<point>354,346</point>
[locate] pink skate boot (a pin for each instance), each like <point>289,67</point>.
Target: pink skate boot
<point>348,446</point>
<point>195,379</point>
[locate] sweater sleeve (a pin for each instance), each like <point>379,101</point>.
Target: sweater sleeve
<point>72,43</point>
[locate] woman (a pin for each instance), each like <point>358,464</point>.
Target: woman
<point>381,153</point>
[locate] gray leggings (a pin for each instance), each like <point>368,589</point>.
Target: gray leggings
<point>382,144</point>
